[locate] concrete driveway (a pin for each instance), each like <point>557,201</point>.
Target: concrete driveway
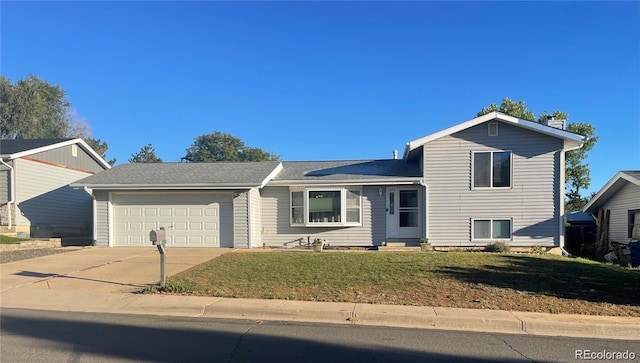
<point>102,269</point>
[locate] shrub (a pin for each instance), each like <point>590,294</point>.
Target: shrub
<point>538,250</point>
<point>498,246</point>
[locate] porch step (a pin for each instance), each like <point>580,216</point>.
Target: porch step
<point>398,248</point>
<point>402,244</point>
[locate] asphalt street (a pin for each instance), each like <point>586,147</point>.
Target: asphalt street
<point>49,336</point>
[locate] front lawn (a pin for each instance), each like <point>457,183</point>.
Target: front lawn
<point>548,284</point>
<point>8,240</point>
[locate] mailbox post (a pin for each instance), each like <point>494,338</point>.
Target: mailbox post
<point>159,239</point>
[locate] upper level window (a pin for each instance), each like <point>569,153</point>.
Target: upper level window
<point>491,169</point>
<point>324,207</point>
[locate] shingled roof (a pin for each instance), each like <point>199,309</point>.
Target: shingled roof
<point>183,175</point>
<point>14,146</point>
<point>347,170</point>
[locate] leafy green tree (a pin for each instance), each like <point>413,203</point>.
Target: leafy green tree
<point>147,154</point>
<point>577,174</point>
<point>511,108</point>
<point>224,147</point>
<point>100,147</point>
<point>33,109</point>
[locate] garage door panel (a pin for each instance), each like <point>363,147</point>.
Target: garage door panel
<point>180,226</point>
<point>150,212</point>
<point>195,240</point>
<point>189,220</point>
<point>138,240</point>
<point>133,212</point>
<point>211,240</point>
<point>210,226</point>
<point>136,226</point>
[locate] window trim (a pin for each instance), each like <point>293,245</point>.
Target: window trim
<point>473,167</point>
<point>631,219</point>
<point>343,206</point>
<point>491,220</point>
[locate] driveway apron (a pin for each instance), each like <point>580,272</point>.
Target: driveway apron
<point>101,269</point>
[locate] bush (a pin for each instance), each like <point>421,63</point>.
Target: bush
<point>497,247</point>
<point>538,250</point>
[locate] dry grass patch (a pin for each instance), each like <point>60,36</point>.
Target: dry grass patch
<point>456,279</point>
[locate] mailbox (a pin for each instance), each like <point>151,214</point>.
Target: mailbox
<point>158,237</point>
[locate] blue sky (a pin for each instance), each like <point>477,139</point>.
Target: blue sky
<point>329,80</point>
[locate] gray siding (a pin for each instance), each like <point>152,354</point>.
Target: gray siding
<point>101,218</point>
<point>277,231</point>
<point>531,202</point>
<point>63,156</point>
<point>624,200</point>
<point>5,183</point>
<point>240,220</point>
<point>226,222</point>
<point>255,221</point>
<point>45,199</point>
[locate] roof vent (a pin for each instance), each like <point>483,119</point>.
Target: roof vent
<point>395,154</point>
<point>558,124</point>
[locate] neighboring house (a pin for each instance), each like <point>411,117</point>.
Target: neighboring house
<point>35,196</point>
<point>581,232</point>
<point>492,178</point>
<point>620,196</point>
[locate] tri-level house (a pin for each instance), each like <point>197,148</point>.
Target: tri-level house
<point>492,178</point>
<point>35,197</point>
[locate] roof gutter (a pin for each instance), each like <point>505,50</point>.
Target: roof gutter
<point>405,181</point>
<point>163,187</point>
<point>12,195</point>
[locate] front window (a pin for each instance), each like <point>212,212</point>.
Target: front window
<point>491,229</point>
<point>492,169</point>
<point>326,207</point>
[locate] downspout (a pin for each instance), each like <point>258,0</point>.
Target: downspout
<point>12,194</point>
<point>561,202</point>
<point>249,239</point>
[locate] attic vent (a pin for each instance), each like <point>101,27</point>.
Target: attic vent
<point>74,150</point>
<point>493,129</point>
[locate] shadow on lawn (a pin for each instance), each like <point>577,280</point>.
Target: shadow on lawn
<point>565,279</point>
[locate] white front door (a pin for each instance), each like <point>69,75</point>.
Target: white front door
<point>403,212</point>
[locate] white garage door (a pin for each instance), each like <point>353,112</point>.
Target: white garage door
<point>189,219</point>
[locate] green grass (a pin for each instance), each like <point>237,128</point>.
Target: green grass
<point>455,279</point>
<point>8,240</point>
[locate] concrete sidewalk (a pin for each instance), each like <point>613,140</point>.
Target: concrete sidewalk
<point>105,280</point>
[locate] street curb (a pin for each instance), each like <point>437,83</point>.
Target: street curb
<point>418,317</point>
